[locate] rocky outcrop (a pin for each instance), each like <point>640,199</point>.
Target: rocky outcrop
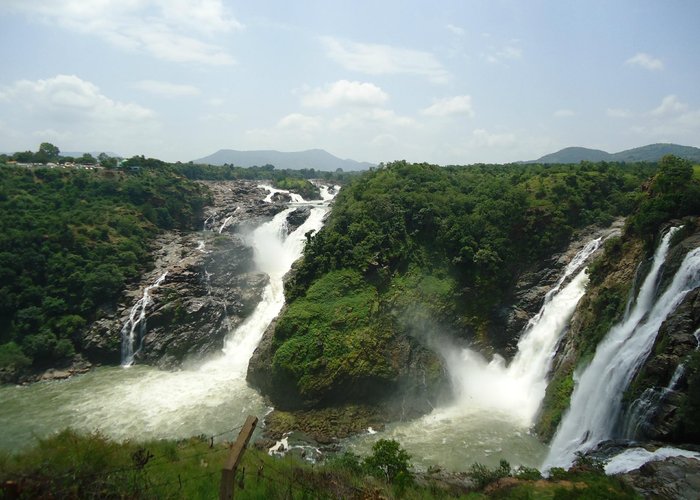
<point>209,287</point>
<point>672,479</point>
<point>297,217</point>
<point>653,406</point>
<point>532,287</point>
<point>200,301</point>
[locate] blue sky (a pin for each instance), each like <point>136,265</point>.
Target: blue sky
<point>443,82</point>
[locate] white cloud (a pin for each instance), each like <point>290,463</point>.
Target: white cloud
<point>166,29</point>
<point>645,61</point>
<point>344,92</point>
<point>483,138</point>
<point>456,30</point>
<point>618,113</point>
<point>68,96</point>
<point>377,59</point>
<point>70,108</point>
<point>166,89</point>
<point>564,113</point>
<point>457,105</point>
<point>508,52</point>
<point>301,122</point>
<point>669,105</point>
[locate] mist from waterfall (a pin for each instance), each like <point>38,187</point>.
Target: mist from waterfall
<point>495,403</point>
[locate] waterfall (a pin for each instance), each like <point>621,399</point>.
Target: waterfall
<point>643,409</point>
<point>137,320</point>
<point>597,397</point>
<point>274,255</point>
<point>226,221</point>
<point>328,192</point>
<point>296,198</point>
<point>517,390</point>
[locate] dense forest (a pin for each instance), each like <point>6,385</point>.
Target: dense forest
<point>409,244</point>
<point>70,239</point>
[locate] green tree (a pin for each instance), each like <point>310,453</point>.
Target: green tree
<point>86,159</point>
<point>389,461</point>
<point>47,153</point>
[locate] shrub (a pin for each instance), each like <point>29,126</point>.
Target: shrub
<point>483,476</point>
<point>11,355</point>
<point>389,461</point>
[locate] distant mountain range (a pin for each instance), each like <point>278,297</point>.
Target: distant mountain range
<point>317,159</point>
<point>652,152</point>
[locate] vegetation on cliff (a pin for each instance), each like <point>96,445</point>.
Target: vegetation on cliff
<point>414,248</point>
<point>70,239</point>
<point>672,193</point>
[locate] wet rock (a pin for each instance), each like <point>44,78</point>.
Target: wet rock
<point>281,198</point>
<point>209,289</point>
<point>673,478</point>
<point>532,287</point>
<point>297,217</point>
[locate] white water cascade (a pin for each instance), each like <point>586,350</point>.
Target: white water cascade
<point>296,198</point>
<point>326,193</point>
<point>518,389</point>
<point>597,397</point>
<point>146,403</point>
<point>494,404</point>
<point>134,329</point>
<point>643,409</point>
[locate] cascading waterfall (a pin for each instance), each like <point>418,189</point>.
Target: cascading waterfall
<point>597,397</point>
<point>226,221</point>
<point>296,198</point>
<point>517,390</point>
<point>274,255</point>
<point>326,194</point>
<point>494,405</point>
<point>134,329</point>
<point>143,402</point>
<point>643,409</point>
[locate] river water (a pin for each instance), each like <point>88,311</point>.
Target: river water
<point>488,420</point>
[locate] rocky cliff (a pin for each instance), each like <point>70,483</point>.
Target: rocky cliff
<point>208,284</point>
<point>665,391</point>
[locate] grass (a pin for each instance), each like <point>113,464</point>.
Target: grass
<point>69,465</point>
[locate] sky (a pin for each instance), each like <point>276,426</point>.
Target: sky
<point>446,82</point>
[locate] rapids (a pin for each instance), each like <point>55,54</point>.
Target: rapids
<point>145,403</point>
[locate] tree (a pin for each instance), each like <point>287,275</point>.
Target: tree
<point>674,174</point>
<point>86,159</point>
<point>107,161</point>
<point>47,152</point>
<point>389,460</point>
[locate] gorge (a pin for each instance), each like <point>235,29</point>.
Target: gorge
<point>443,303</point>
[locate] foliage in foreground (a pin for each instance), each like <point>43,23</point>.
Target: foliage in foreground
<point>68,466</point>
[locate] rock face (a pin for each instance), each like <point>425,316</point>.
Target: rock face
<point>200,301</point>
<point>673,478</point>
<point>654,406</point>
<point>297,217</point>
<point>533,285</point>
<point>209,286</point>
<point>663,380</point>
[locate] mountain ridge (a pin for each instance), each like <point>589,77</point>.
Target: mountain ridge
<point>318,159</point>
<point>650,152</point>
